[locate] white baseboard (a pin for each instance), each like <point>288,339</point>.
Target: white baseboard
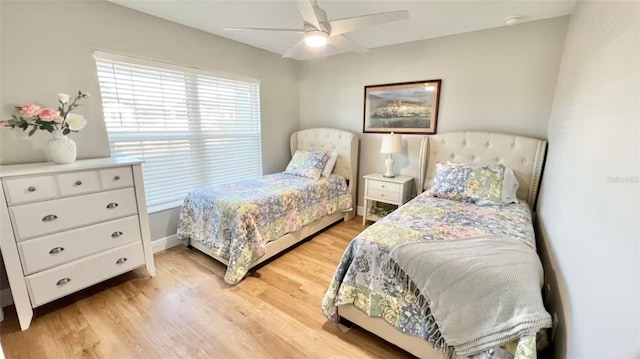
<point>165,243</point>
<point>5,297</point>
<point>360,210</point>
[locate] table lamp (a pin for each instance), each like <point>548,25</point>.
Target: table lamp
<point>391,143</point>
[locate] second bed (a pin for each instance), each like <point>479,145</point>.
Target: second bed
<point>244,223</point>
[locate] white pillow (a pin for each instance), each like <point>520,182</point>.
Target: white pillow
<point>331,162</point>
<point>510,187</point>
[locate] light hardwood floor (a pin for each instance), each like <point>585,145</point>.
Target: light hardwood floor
<point>187,311</point>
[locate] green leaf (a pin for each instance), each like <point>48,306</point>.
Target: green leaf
<point>66,131</point>
<point>33,131</point>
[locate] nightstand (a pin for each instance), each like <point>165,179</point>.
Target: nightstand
<point>378,188</point>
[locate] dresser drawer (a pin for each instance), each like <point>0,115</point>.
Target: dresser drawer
<point>68,278</point>
<point>385,186</point>
<point>52,250</point>
<point>78,183</point>
<point>27,189</point>
<point>385,196</point>
<point>40,218</point>
<point>116,177</point>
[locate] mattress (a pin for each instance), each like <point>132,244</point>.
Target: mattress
<point>364,279</point>
<point>237,220</point>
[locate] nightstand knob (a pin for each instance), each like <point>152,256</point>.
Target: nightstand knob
<point>31,189</point>
<point>116,178</point>
<point>121,260</point>
<point>116,234</point>
<point>381,194</point>
<point>78,183</point>
<point>382,186</point>
<point>112,205</point>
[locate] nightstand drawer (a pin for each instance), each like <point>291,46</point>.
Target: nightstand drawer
<point>385,186</point>
<point>382,195</point>
<point>68,278</point>
<point>49,251</point>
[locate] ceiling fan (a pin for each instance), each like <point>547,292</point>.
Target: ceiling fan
<point>318,31</point>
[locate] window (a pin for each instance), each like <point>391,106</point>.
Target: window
<point>193,128</point>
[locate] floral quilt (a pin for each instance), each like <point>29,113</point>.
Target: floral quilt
<point>238,219</point>
<point>364,279</point>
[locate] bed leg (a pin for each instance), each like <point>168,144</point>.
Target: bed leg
<point>346,323</point>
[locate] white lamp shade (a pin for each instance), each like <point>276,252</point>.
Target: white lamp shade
<point>391,143</point>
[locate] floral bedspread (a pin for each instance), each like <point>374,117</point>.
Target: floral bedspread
<point>238,219</point>
<point>364,280</point>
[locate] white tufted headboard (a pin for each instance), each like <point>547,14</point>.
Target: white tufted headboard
<point>334,140</point>
<point>524,155</point>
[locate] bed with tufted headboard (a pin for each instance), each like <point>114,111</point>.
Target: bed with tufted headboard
<point>524,155</point>
<point>361,285</point>
<point>245,223</point>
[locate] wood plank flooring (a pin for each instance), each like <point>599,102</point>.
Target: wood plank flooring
<point>187,311</point>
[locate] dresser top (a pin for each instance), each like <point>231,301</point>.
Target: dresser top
<point>52,167</point>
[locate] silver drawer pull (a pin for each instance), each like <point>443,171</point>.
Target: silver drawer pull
<point>382,186</point>
<point>121,260</point>
<point>381,194</point>
<point>31,189</point>
<point>49,218</point>
<point>116,178</point>
<point>63,281</point>
<point>112,205</point>
<point>56,250</point>
<point>78,183</point>
<point>116,234</point>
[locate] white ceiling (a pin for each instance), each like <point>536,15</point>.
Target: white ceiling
<point>427,19</point>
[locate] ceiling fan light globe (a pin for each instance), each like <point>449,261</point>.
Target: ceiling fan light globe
<point>315,38</point>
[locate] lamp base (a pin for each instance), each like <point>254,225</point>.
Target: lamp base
<point>389,164</point>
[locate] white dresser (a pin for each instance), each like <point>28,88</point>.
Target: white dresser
<point>66,227</point>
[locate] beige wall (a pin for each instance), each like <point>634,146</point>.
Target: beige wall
<point>589,207</point>
<point>46,48</point>
<point>495,80</point>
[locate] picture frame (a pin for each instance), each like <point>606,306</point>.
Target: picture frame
<point>405,107</point>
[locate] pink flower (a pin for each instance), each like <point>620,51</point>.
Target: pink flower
<point>29,110</point>
<point>4,124</point>
<point>50,115</point>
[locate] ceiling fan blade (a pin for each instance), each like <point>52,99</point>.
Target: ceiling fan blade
<point>292,51</point>
<point>295,31</point>
<point>346,43</point>
<point>343,26</point>
<point>308,13</point>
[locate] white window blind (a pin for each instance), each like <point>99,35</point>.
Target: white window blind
<point>193,128</point>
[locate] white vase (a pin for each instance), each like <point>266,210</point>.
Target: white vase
<point>61,148</point>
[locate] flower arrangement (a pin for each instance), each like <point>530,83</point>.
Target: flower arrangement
<point>48,119</point>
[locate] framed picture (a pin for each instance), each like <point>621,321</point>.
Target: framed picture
<point>408,107</point>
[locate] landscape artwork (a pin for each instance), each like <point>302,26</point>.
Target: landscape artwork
<point>409,107</point>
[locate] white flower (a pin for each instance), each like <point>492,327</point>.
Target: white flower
<point>63,98</point>
<point>76,122</point>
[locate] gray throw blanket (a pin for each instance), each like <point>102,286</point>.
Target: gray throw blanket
<point>481,292</point>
